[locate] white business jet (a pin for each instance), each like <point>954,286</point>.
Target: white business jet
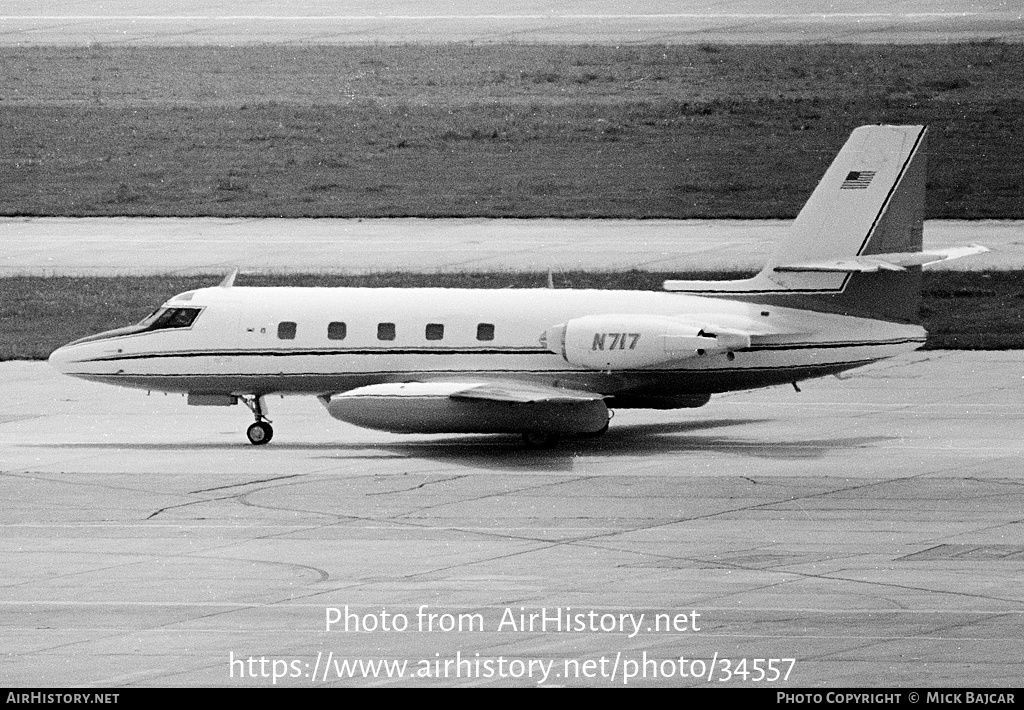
<point>842,291</point>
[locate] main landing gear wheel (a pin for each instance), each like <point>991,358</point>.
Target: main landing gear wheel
<point>540,440</point>
<point>260,433</point>
<point>595,434</point>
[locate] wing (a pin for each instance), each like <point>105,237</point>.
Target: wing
<point>470,406</point>
<point>522,392</point>
<point>493,390</point>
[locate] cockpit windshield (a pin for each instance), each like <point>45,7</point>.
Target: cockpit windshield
<point>151,317</point>
<point>169,318</point>
<point>161,319</point>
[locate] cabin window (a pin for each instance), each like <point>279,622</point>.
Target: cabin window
<point>385,331</point>
<point>172,318</point>
<point>336,331</point>
<point>485,331</point>
<point>435,331</point>
<point>286,330</point>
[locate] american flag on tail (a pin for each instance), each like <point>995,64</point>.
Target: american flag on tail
<point>858,180</point>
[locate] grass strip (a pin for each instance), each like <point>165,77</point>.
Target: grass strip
<point>496,131</point>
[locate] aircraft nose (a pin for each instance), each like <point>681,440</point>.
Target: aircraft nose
<point>82,359</point>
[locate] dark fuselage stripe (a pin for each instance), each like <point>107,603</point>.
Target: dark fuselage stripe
<point>321,351</point>
<point>833,345</point>
<point>491,351</point>
<point>482,373</point>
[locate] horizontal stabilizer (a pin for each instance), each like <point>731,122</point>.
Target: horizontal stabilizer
<point>885,262</point>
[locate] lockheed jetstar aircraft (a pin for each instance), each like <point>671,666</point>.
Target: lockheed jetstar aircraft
<point>841,292</point>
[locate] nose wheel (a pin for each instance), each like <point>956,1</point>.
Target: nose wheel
<point>261,432</point>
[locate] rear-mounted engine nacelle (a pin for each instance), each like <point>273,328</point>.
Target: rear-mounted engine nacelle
<point>626,342</point>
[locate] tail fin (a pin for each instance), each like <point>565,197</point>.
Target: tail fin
<point>855,246</point>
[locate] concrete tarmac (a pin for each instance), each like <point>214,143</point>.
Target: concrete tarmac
<point>869,528</point>
<point>232,22</point>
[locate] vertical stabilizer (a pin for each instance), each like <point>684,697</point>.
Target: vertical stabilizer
<point>867,207</point>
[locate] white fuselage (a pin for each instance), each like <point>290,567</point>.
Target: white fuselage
<point>237,344</point>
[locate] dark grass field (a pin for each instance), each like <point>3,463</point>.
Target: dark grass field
<point>961,310</point>
<point>496,131</point>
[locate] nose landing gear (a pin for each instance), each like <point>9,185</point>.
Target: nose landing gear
<point>261,432</point>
